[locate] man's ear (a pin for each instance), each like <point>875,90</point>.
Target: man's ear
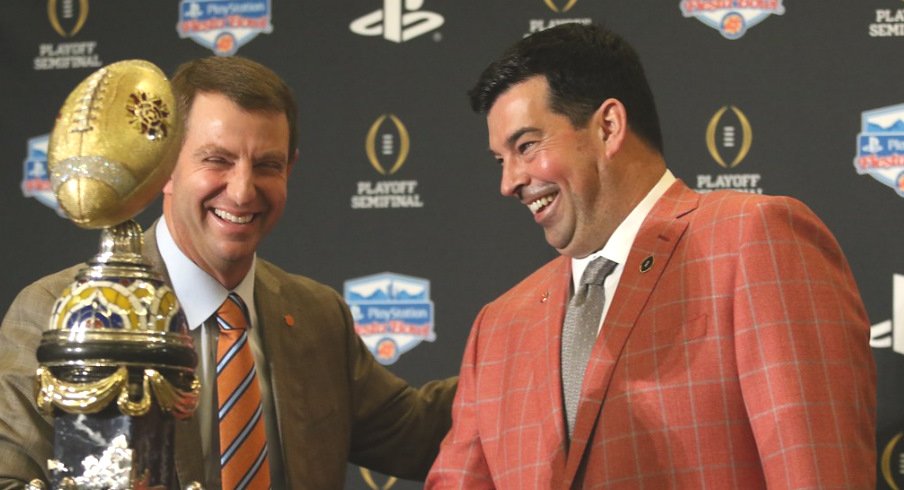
<point>611,124</point>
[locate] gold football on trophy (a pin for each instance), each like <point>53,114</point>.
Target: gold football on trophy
<point>114,143</point>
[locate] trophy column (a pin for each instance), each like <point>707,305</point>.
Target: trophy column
<point>117,366</point>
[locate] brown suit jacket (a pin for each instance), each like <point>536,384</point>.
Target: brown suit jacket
<point>334,402</point>
<point>738,359</point>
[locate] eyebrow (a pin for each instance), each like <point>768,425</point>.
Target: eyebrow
<point>510,141</point>
<point>214,149</point>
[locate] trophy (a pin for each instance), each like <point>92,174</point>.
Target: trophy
<point>117,362</point>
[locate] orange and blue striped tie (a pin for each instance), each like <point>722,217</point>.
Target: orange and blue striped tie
<point>243,440</point>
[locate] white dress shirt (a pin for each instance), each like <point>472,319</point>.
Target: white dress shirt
<point>619,245</point>
<point>200,296</point>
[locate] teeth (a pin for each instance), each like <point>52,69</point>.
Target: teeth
<point>541,203</point>
<point>241,220</point>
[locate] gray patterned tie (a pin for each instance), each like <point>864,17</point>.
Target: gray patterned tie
<point>582,320</point>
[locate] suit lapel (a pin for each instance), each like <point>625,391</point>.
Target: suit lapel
<point>650,253</point>
<point>274,336</point>
<point>279,342</point>
<point>547,306</point>
<point>189,464</point>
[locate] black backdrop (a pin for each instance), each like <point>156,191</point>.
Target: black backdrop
<point>797,82</point>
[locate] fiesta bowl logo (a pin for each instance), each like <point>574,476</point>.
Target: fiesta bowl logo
<point>67,16</point>
<point>880,146</point>
<point>223,25</point>
<point>731,17</point>
<point>398,21</point>
<point>392,313</point>
<point>35,176</point>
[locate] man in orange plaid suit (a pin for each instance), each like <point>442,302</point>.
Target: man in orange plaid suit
<point>733,349</point>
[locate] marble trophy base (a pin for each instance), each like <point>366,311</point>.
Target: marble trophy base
<point>109,450</point>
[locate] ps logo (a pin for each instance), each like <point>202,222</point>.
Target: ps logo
<point>387,146</point>
<point>722,136</point>
<point>890,333</point>
<point>566,8</point>
<point>67,10</point>
<point>398,21</point>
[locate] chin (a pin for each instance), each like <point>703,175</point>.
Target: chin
<point>574,251</point>
<point>234,255</point>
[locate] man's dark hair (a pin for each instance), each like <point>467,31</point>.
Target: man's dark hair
<point>251,85</point>
<point>584,65</point>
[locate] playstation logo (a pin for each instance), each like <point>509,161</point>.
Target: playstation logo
<point>398,21</point>
<point>873,145</point>
<point>194,11</point>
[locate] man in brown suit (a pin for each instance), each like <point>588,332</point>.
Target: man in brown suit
<point>325,400</point>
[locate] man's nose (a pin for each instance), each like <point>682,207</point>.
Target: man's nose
<point>240,187</point>
<point>513,177</point>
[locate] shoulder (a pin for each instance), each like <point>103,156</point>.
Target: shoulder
<point>730,209</point>
<point>753,221</point>
<point>49,286</point>
<point>293,287</point>
<point>550,272</point>
<point>723,202</point>
<point>31,308</point>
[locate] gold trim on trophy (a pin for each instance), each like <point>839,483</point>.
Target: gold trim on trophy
<point>92,397</point>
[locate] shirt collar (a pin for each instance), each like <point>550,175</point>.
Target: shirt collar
<point>199,294</point>
<point>619,245</point>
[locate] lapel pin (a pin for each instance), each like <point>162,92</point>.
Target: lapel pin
<point>545,297</point>
<point>290,320</point>
<point>647,264</point>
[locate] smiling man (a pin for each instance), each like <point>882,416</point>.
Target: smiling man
<point>228,189</point>
<point>319,398</point>
<point>681,340</point>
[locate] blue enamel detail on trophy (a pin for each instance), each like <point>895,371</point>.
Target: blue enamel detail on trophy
<point>880,146</point>
<point>392,313</point>
<point>732,18</point>
<point>36,177</point>
<point>223,26</point>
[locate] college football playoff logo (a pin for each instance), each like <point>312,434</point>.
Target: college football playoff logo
<point>72,13</point>
<point>728,136</point>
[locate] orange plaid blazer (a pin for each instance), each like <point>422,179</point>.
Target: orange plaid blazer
<point>739,360</point>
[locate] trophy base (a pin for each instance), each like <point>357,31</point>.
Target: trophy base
<point>109,450</point>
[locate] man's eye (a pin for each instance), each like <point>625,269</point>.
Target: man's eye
<point>523,147</point>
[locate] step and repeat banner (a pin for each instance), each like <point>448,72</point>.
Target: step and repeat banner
<point>394,200</point>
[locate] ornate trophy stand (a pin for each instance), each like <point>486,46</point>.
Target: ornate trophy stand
<point>117,363</point>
